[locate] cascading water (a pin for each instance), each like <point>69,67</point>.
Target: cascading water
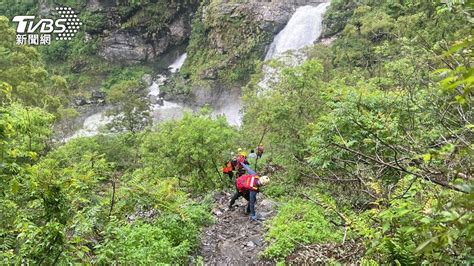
<point>161,110</point>
<point>229,105</point>
<point>302,30</point>
<point>92,125</point>
<point>178,63</point>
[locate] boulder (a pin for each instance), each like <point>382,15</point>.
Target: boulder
<point>97,95</point>
<point>80,101</point>
<point>179,30</point>
<point>272,18</point>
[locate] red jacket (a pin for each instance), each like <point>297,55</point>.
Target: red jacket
<point>247,182</point>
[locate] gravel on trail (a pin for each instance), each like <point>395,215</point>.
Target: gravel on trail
<point>234,239</point>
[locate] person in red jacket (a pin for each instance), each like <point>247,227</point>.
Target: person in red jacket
<point>241,159</point>
<point>248,186</point>
<point>228,169</point>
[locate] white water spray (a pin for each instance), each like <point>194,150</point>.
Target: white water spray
<point>178,63</point>
<point>303,29</point>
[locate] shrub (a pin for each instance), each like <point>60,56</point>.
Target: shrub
<point>298,222</point>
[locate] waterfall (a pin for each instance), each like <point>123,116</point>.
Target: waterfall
<point>93,124</point>
<point>161,110</point>
<point>178,63</point>
<point>302,30</point>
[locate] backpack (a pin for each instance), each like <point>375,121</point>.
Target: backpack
<point>228,167</point>
<point>247,182</point>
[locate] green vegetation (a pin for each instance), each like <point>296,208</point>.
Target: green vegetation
<point>101,199</point>
<point>130,108</point>
<point>154,17</point>
<point>383,121</point>
<point>11,8</point>
<point>370,141</point>
<point>337,15</point>
<point>228,57</point>
<point>22,69</point>
<point>298,222</point>
<point>182,149</point>
<point>104,199</point>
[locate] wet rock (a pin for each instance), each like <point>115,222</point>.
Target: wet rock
<point>273,17</point>
<point>133,44</point>
<point>147,79</point>
<point>217,212</point>
<point>268,204</point>
<point>98,95</point>
<point>80,101</point>
<point>250,244</point>
<point>179,30</point>
<point>161,101</point>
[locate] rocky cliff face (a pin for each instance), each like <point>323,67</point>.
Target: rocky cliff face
<point>235,30</point>
<point>227,40</point>
<point>228,37</point>
<point>137,33</point>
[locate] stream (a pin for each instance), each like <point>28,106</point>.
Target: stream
<point>161,110</point>
<point>302,30</point>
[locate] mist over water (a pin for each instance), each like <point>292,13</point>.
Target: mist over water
<point>302,30</point>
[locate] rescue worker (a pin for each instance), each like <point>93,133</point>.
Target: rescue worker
<point>228,169</point>
<point>260,151</point>
<point>252,155</point>
<point>241,159</point>
<point>248,186</point>
<point>252,158</point>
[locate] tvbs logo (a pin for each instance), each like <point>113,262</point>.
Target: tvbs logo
<point>33,32</point>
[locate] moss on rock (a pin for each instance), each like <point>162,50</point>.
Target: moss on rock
<point>226,41</point>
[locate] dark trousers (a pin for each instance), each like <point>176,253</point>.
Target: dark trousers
<point>230,174</point>
<point>250,196</point>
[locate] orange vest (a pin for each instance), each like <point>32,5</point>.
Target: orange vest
<point>227,168</point>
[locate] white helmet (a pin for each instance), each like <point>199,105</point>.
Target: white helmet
<point>264,180</point>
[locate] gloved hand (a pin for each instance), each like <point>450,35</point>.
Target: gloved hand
<point>253,217</point>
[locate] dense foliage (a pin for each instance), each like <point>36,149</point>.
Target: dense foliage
<point>383,120</point>
<point>229,57</point>
<point>299,222</point>
<point>100,199</point>
<point>370,140</point>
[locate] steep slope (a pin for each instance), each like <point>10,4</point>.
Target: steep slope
<point>233,239</point>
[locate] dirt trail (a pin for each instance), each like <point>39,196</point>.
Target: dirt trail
<point>233,239</point>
